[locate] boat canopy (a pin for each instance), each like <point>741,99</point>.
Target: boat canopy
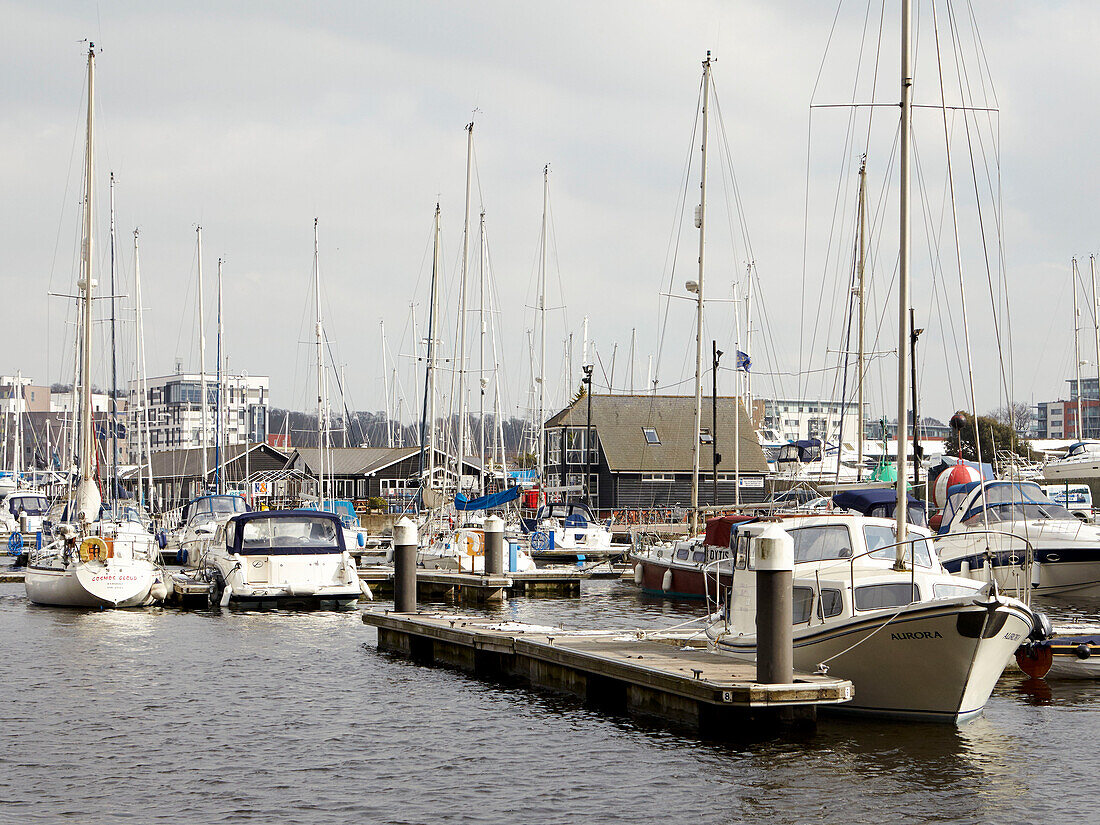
<point>487,502</point>
<point>284,532</point>
<point>881,503</point>
<point>719,529</point>
<point>1005,501</point>
<point>808,449</point>
<point>213,506</point>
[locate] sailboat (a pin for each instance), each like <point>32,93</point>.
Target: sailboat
<point>93,562</point>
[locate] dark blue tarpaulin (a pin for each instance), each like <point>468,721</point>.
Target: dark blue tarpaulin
<point>486,502</point>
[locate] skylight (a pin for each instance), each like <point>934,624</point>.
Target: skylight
<point>650,435</point>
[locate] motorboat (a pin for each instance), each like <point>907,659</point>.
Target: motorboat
<point>570,530</point>
<point>695,568</point>
<point>1012,531</point>
<point>199,521</point>
<point>21,515</point>
<point>809,460</point>
<point>916,641</point>
<point>1080,462</point>
<point>281,558</point>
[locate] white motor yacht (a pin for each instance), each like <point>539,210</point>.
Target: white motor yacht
<point>571,529</point>
<point>1081,462</point>
<point>282,558</point>
<point>1014,532</point>
<point>917,643</point>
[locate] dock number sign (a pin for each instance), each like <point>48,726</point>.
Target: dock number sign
<point>261,489</point>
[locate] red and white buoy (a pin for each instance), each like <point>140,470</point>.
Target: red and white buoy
<point>961,473</point>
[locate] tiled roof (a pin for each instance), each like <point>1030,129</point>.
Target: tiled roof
<point>619,421</point>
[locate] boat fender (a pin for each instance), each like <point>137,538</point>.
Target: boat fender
<point>181,557</point>
<point>159,591</point>
<point>1035,659</point>
<point>638,574</point>
<point>1083,651</point>
<point>362,541</point>
<point>666,580</point>
<point>367,594</point>
<point>162,539</point>
<point>227,594</point>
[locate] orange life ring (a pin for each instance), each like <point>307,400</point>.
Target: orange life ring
<point>473,544</point>
<point>93,548</point>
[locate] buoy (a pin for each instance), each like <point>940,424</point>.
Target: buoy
<point>964,568</point>
<point>1035,660</point>
<point>959,474</point>
<point>638,574</point>
<point>666,580</point>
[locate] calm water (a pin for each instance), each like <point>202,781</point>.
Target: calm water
<point>170,716</point>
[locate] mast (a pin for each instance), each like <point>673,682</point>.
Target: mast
<point>143,437</point>
<point>702,225</point>
<point>114,357</point>
<point>1077,348</point>
<point>460,452</point>
<point>219,476</point>
<point>483,382</point>
<point>386,383</point>
<point>322,407</point>
<point>542,342</point>
<point>427,419</point>
<point>1096,322</point>
<point>903,281</point>
<point>202,365</point>
<point>860,270</point>
<point>19,396</point>
<point>88,498</point>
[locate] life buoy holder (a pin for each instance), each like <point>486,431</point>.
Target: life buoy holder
<point>473,544</point>
<point>94,548</point>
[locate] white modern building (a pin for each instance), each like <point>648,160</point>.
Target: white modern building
<point>803,418</point>
<point>176,416</point>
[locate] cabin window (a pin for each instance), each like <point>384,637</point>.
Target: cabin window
<point>881,543</point>
<point>230,533</point>
<point>802,604</point>
<point>650,435</point>
<point>876,596</point>
<point>742,560</point>
<point>829,604</point>
<point>698,556</point>
<point>953,591</point>
<point>682,554</point>
<point>821,543</point>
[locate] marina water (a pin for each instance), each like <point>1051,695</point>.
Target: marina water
<point>165,715</point>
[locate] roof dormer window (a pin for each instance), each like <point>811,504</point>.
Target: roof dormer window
<point>651,436</point>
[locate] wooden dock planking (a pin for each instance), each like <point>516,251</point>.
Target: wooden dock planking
<point>666,679</point>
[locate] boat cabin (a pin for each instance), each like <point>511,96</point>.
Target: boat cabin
<point>804,451</point>
<point>570,513</point>
<point>212,508</point>
<point>284,532</point>
<point>882,503</point>
<point>971,505</point>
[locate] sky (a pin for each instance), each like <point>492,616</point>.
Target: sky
<point>252,119</point>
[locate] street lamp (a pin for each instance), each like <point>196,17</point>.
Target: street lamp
<point>587,381</point>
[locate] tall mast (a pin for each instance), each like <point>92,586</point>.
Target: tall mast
<point>1096,321</point>
<point>482,382</point>
<point>460,452</point>
<point>144,447</point>
<point>427,419</point>
<point>219,411</point>
<point>861,268</point>
<point>386,383</point>
<point>88,497</point>
<point>1077,349</point>
<point>202,365</point>
<point>542,341</point>
<point>19,396</point>
<point>702,224</point>
<point>114,357</point>
<point>322,407</point>
<point>903,280</point>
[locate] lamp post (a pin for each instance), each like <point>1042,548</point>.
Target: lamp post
<point>715,458</point>
<point>587,381</point>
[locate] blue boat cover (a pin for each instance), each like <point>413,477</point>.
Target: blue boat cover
<point>884,499</point>
<point>487,502</point>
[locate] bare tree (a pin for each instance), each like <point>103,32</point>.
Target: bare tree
<point>1016,415</point>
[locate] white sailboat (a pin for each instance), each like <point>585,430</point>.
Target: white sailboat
<point>93,562</point>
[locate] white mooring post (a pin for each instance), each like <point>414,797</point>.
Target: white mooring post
<point>404,566</point>
<point>774,626</point>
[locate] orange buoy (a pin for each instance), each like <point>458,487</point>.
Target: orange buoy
<point>1035,660</point>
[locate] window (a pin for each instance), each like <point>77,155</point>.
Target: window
<point>830,604</point>
<point>821,543</point>
<point>881,543</point>
<point>682,554</point>
<point>699,556</point>
<point>704,436</point>
<point>553,447</point>
<point>574,446</point>
<point>875,596</point>
<point>657,477</point>
<point>801,604</point>
<point>650,435</point>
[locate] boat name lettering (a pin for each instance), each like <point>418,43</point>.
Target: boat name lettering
<point>114,578</point>
<point>1012,637</point>
<point>921,634</point>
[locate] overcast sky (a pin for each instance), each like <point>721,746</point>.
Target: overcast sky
<point>252,118</point>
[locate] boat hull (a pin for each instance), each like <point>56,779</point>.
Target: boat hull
<point>936,662</point>
<point>685,583</point>
<point>116,583</point>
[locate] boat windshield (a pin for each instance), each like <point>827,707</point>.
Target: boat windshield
<point>296,534</point>
<point>31,505</point>
<point>882,540</point>
<point>123,512</point>
<point>215,507</point>
<point>1013,501</point>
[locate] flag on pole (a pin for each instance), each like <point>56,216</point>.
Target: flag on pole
<point>743,361</point>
